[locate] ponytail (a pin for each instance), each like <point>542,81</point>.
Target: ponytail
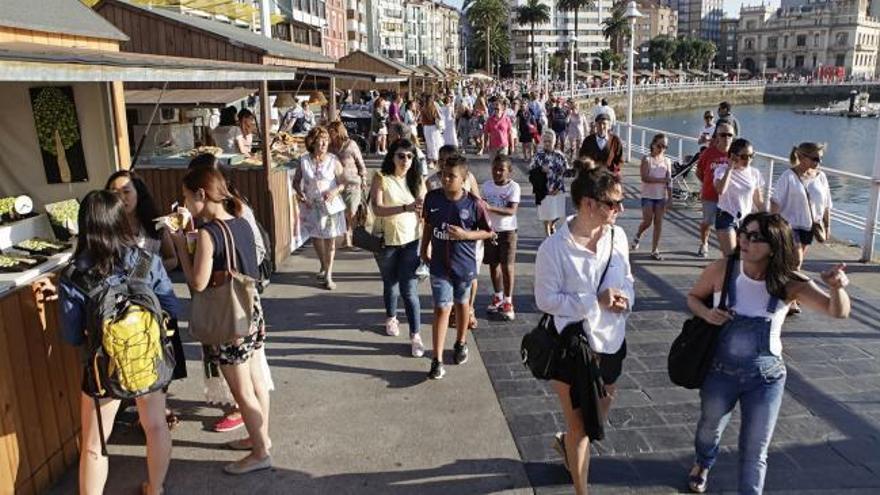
<point>793,157</point>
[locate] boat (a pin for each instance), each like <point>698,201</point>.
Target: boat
<point>857,106</point>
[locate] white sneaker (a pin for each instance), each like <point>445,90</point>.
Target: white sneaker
<point>392,327</point>
<point>418,348</point>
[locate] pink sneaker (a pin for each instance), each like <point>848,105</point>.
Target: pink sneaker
<point>496,304</point>
<point>228,424</point>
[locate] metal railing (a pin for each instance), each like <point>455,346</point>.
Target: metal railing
<point>687,145</point>
<point>668,86</point>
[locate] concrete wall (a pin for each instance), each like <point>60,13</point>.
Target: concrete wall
<point>816,95</point>
<point>668,99</point>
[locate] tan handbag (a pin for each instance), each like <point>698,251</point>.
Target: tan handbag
<point>224,311</point>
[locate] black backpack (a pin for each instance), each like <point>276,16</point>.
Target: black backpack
<point>128,347</point>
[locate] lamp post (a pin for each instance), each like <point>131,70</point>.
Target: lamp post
<point>632,13</point>
<point>611,74</point>
<point>571,43</point>
<point>738,68</point>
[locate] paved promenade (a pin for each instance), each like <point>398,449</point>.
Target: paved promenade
<point>353,413</point>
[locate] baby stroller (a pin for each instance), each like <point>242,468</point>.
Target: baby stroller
<point>682,194</point>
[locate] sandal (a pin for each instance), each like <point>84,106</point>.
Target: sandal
<point>559,446</point>
<point>656,255</point>
<point>697,483</point>
<point>472,322</point>
<point>172,420</point>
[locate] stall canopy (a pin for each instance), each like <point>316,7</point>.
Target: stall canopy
<point>43,63</point>
<point>373,62</point>
<point>196,97</point>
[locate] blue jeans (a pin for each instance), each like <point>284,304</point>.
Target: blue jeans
<point>744,371</point>
<point>397,265</point>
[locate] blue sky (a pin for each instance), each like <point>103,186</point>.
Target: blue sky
<point>731,7</point>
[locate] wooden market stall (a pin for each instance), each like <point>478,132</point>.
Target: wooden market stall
<point>63,129</point>
<point>360,60</point>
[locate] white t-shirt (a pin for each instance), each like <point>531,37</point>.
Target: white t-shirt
<point>792,200</point>
<point>500,197</point>
<point>738,199</point>
<point>707,132</point>
<point>225,137</point>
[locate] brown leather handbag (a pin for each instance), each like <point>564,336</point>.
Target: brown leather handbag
<point>223,312</point>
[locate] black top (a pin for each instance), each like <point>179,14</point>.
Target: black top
<point>245,247</point>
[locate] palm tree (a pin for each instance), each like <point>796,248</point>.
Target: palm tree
<point>533,12</point>
<point>486,16</point>
<point>616,26</point>
<point>574,6</point>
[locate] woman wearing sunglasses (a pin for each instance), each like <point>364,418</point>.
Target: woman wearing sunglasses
<point>748,366</point>
<point>739,186</point>
<point>397,193</point>
<point>656,192</point>
<point>802,196</point>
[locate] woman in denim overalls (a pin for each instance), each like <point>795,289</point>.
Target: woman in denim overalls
<point>748,366</point>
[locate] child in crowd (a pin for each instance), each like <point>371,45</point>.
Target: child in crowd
<point>502,196</point>
<point>454,221</point>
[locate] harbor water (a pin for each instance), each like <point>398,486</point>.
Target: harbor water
<point>775,129</point>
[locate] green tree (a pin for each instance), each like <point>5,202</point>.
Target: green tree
<point>616,26</point>
<point>693,52</point>
<point>574,6</point>
<point>533,12</point>
<point>499,46</point>
<point>486,16</point>
<point>608,56</point>
<point>661,50</point>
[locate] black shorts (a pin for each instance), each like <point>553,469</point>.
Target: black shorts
<point>502,250</point>
<point>610,366</point>
<point>803,237</point>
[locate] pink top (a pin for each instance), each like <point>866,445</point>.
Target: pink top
<point>498,129</point>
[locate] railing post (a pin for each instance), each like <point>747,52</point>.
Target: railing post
<point>680,150</point>
<point>769,186</point>
<point>873,204</point>
<point>643,140</point>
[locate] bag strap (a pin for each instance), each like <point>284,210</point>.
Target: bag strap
<point>610,255</point>
<point>229,242</point>
<point>141,270</point>
<point>807,193</point>
<point>728,275</point>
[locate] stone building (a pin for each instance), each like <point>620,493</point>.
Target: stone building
<point>659,20</point>
<point>805,38</point>
<point>725,56</point>
<point>555,35</point>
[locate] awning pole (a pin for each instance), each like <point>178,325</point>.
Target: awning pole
<point>333,116</point>
<point>266,117</point>
<point>137,152</point>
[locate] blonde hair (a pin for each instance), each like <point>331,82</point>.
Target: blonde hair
<point>338,128</point>
<point>313,136</point>
<point>806,148</point>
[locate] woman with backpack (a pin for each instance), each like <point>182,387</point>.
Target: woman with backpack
<point>208,199</point>
<point>106,251</point>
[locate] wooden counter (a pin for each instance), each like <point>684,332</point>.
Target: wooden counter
<point>39,394</point>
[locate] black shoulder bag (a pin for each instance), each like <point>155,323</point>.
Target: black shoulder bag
<point>540,348</point>
<point>693,350</point>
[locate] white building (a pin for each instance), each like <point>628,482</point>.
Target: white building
<point>555,35</point>
<point>356,22</point>
<point>389,29</point>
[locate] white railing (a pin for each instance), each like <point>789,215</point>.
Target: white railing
<point>667,86</point>
<point>682,146</point>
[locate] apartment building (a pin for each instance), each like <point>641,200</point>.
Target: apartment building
<point>699,18</point>
<point>356,25</point>
<point>304,23</point>
<point>657,19</point>
<point>725,57</point>
<point>335,35</point>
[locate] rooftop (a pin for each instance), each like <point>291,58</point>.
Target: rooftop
<point>58,16</point>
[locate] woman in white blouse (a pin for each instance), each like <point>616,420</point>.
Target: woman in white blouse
<point>568,271</point>
<point>739,187</point>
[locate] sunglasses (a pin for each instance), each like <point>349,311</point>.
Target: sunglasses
<point>662,146</point>
<point>746,156</point>
<point>404,156</point>
<point>611,204</point>
<point>725,135</point>
<point>817,159</point>
<point>752,236</point>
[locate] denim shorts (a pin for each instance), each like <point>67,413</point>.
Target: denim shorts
<point>710,209</point>
<point>725,221</point>
<point>653,203</point>
<point>446,292</point>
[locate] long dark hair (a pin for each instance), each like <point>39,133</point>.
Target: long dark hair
<point>783,262</point>
<point>413,175</point>
<point>212,182</point>
<point>146,209</point>
<point>104,233</point>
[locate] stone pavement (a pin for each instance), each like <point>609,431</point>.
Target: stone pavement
<point>352,413</point>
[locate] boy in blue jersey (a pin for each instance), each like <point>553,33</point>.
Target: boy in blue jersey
<point>454,221</point>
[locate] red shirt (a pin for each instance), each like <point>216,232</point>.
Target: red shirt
<point>498,129</point>
<point>706,168</point>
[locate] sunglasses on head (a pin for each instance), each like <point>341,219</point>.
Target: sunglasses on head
<point>751,236</point>
<point>404,155</point>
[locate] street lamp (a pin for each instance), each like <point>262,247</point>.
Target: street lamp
<point>738,68</point>
<point>632,13</point>
<point>571,41</point>
<point>611,74</point>
<point>545,68</point>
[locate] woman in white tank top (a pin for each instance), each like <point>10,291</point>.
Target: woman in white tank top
<point>656,192</point>
<point>747,366</point>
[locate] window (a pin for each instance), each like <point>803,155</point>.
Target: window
<point>772,43</point>
<point>841,39</point>
<point>798,61</point>
<point>771,62</point>
<point>802,40</point>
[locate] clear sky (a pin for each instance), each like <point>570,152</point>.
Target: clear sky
<point>731,7</point>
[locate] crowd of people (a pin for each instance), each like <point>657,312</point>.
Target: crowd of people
<point>438,223</point>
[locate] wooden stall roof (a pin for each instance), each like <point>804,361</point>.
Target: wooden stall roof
<point>373,62</point>
<point>433,71</point>
<point>35,62</point>
<point>162,31</point>
<point>187,97</point>
<point>58,16</point>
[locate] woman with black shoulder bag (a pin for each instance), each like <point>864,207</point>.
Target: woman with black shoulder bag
<point>583,279</point>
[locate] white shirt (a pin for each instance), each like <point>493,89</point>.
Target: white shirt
<point>500,197</point>
<point>706,133</point>
<point>789,195</point>
<point>566,276</point>
<point>225,137</point>
<point>738,199</point>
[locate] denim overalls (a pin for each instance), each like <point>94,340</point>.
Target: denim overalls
<point>744,370</point>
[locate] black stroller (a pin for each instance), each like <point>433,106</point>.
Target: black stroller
<point>357,120</point>
<point>682,194</point>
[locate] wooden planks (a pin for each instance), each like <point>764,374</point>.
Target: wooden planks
<point>39,394</point>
